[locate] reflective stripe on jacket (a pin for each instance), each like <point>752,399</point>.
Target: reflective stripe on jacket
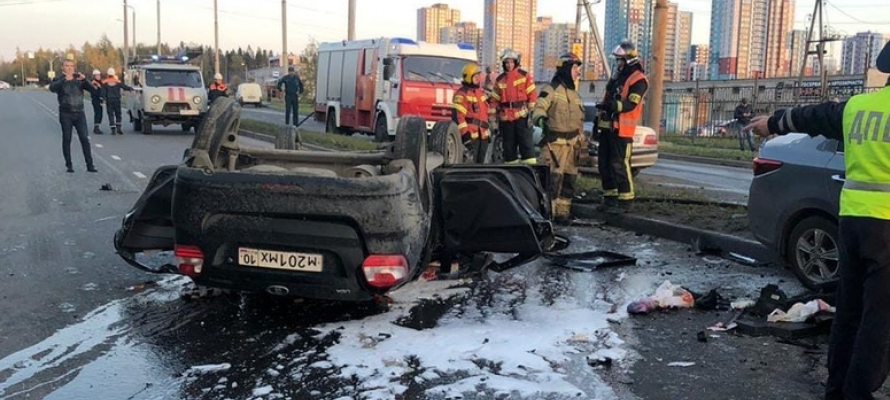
<point>628,121</point>
<point>563,108</point>
<point>471,112</point>
<point>866,122</point>
<point>514,95</point>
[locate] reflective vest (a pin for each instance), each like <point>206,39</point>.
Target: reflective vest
<point>866,191</point>
<point>471,112</point>
<point>627,121</point>
<point>218,86</point>
<point>514,95</point>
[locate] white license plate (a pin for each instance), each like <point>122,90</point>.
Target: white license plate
<point>188,112</point>
<point>305,262</point>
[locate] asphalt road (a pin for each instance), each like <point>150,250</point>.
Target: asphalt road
<point>723,183</point>
<point>76,322</point>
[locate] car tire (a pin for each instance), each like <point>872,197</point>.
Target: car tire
<point>220,125</point>
<point>146,127</point>
<point>634,172</point>
<point>812,251</point>
<point>496,148</point>
<point>330,125</point>
<point>287,138</point>
<point>381,131</point>
<point>410,144</point>
<point>186,127</point>
<point>445,140</point>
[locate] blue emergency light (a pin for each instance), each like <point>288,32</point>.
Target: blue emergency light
<point>465,46</point>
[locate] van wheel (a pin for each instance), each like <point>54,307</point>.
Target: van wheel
<point>812,251</point>
<point>381,134</point>
<point>634,172</point>
<point>186,127</point>
<point>146,127</point>
<point>137,124</point>
<point>445,140</point>
<point>330,125</point>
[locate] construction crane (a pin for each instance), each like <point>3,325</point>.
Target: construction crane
<point>584,8</point>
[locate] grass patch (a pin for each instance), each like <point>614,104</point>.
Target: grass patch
<point>643,190</point>
<point>331,141</point>
<point>278,104</point>
<point>709,152</point>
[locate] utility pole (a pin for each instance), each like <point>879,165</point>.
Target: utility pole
<point>656,80</point>
<point>818,10</point>
<point>126,39</point>
<point>350,35</point>
<point>215,39</point>
<point>584,8</point>
<point>159,27</point>
<point>283,60</point>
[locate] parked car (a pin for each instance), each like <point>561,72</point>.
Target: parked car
<point>249,93</point>
<point>793,204</point>
<point>345,226</point>
<point>4,85</point>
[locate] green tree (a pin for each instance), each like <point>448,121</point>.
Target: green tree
<point>309,69</point>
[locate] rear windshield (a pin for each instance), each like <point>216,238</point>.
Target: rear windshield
<point>165,78</point>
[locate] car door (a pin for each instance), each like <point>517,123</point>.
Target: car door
<point>835,168</point>
<point>494,208</point>
<point>148,226</point>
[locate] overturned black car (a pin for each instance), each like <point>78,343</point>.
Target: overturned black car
<point>331,225</point>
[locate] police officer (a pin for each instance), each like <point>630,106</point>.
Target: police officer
<point>514,96</point>
<point>470,112</point>
<point>293,87</point>
<point>617,119</point>
<point>560,113</point>
<point>97,102</point>
<point>69,89</point>
<point>858,355</point>
<point>112,92</point>
<point>217,88</point>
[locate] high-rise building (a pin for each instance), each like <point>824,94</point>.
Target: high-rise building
<point>780,23</point>
<point>738,38</point>
<point>431,19</point>
<point>552,41</point>
<point>697,57</point>
<point>677,41</point>
<point>629,20</point>
<point>861,51</point>
<point>508,24</point>
<point>463,32</point>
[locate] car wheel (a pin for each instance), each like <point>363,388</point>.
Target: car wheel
<point>381,132</point>
<point>287,138</point>
<point>445,140</point>
<point>634,172</point>
<point>186,127</point>
<point>410,144</point>
<point>812,251</point>
<point>497,148</point>
<point>146,127</point>
<point>330,125</point>
<point>220,125</point>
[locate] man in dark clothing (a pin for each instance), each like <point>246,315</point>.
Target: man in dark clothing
<point>217,88</point>
<point>743,114</point>
<point>859,347</point>
<point>112,92</point>
<point>620,112</point>
<point>97,102</point>
<point>69,89</point>
<point>293,87</point>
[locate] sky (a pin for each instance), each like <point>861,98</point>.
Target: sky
<point>31,24</point>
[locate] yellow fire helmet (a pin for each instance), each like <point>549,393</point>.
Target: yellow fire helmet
<point>469,71</point>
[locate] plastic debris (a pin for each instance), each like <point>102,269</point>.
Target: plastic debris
<point>206,369</point>
<point>800,312</point>
<point>667,295</point>
<point>681,364</point>
<point>741,304</point>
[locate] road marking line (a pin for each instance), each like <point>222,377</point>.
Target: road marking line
<point>115,157</point>
<point>99,145</point>
<point>139,175</point>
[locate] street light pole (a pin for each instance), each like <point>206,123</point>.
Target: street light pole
<point>133,9</point>
<point>126,38</point>
<point>283,61</point>
<point>215,38</point>
<point>159,27</point>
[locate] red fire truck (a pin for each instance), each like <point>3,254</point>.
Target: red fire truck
<point>367,85</point>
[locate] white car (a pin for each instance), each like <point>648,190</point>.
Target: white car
<point>249,93</point>
<point>4,85</point>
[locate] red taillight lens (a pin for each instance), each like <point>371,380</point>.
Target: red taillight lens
<point>764,165</point>
<point>189,259</point>
<point>384,271</point>
<point>650,140</point>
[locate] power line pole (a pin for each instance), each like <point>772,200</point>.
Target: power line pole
<point>283,61</point>
<point>159,27</point>
<point>584,8</point>
<point>350,35</point>
<point>656,81</point>
<point>126,39</point>
<point>818,10</point>
<point>215,38</point>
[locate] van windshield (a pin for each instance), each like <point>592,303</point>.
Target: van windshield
<point>175,78</point>
<point>433,68</point>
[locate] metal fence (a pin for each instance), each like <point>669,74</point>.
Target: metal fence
<point>709,111</point>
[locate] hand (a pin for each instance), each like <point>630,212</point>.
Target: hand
<point>759,125</point>
<point>542,122</point>
<point>79,76</point>
<point>606,106</point>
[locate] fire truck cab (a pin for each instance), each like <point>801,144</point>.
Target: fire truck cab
<point>368,85</point>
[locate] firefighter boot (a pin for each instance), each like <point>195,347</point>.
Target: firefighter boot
<point>113,131</point>
<point>120,130</point>
<point>562,211</point>
<point>609,206</point>
<point>625,206</point>
<point>97,131</point>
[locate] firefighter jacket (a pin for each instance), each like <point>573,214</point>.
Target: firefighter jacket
<point>471,112</point>
<point>623,102</point>
<point>217,90</point>
<point>563,109</point>
<point>861,124</point>
<point>70,93</point>
<point>514,95</point>
<point>112,87</point>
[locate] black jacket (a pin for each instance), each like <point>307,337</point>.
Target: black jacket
<point>613,90</point>
<point>70,93</point>
<point>112,89</point>
<point>740,111</point>
<point>292,84</point>
<point>826,119</point>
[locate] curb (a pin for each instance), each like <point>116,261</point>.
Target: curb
<point>705,160</point>
<point>700,239</point>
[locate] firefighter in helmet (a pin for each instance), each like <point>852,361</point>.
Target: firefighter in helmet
<point>97,101</point>
<point>470,112</point>
<point>560,113</point>
<point>112,92</point>
<point>217,88</point>
<point>617,119</point>
<point>514,97</point>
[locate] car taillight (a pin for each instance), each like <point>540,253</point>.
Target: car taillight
<point>384,271</point>
<point>650,140</point>
<point>764,165</point>
<point>189,259</point>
